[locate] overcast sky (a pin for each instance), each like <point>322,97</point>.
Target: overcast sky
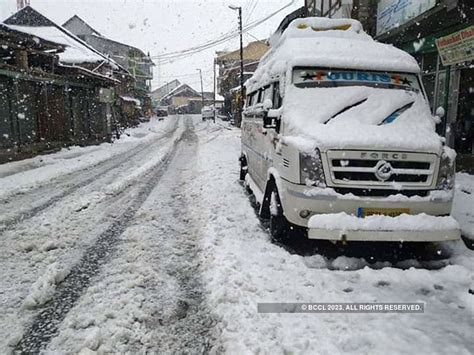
<point>161,26</point>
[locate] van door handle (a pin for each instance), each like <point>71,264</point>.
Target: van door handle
<point>264,133</point>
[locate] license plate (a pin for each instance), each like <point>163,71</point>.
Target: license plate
<point>391,212</point>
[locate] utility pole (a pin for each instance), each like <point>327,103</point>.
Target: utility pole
<point>202,90</point>
<point>241,101</point>
<point>20,4</point>
<point>214,67</point>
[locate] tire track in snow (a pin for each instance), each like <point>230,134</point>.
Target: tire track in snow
<point>45,324</point>
<point>105,167</point>
<point>190,329</point>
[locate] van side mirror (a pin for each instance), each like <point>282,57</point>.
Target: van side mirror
<point>440,112</point>
<point>270,119</point>
<point>267,104</point>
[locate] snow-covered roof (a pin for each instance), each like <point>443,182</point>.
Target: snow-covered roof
<point>75,52</point>
<point>131,99</point>
<point>179,89</point>
<point>331,43</point>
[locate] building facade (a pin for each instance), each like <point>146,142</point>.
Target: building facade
<point>131,58</point>
<point>228,81</point>
<point>440,35</point>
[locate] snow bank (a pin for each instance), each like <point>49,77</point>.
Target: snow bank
<point>332,221</point>
<point>43,289</point>
<point>463,205</point>
<point>24,175</point>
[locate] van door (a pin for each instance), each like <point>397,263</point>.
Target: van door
<point>266,136</point>
<point>249,138</point>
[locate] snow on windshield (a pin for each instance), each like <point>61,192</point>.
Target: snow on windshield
<point>354,117</point>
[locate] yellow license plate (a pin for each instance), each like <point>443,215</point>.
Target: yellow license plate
<point>391,212</point>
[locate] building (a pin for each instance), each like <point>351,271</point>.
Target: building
<point>157,94</point>
<point>228,81</point>
<point>180,98</point>
<point>440,35</point>
<point>50,96</point>
<point>134,60</point>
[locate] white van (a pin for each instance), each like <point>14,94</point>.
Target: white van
<point>208,113</point>
<point>338,139</point>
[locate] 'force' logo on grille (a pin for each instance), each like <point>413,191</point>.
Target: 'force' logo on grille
<point>386,156</point>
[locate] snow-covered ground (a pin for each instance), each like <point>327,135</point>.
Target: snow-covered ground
<point>186,261</point>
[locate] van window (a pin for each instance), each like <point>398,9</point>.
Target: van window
<point>267,93</point>
<point>276,95</point>
<point>253,98</point>
<point>259,99</point>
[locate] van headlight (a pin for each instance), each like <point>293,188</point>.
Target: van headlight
<point>446,173</point>
<point>311,169</point>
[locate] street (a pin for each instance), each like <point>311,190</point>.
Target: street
<point>151,244</point>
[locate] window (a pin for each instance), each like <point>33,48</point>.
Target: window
<point>259,99</point>
<point>254,98</point>
<point>267,93</point>
<point>276,95</point>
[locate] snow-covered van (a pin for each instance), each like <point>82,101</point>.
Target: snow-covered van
<point>207,113</point>
<point>338,139</point>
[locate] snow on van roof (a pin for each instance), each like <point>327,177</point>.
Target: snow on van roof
<point>330,43</point>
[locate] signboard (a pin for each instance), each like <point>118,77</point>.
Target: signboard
<point>456,48</point>
<point>106,95</point>
<point>394,13</point>
<point>306,77</point>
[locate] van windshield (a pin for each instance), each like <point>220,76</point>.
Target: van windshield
<point>314,77</point>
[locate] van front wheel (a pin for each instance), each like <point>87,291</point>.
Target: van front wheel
<point>280,228</point>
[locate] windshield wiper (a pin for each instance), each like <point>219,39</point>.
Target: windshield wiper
<point>394,115</point>
<point>346,109</point>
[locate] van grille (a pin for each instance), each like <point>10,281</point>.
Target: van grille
<point>381,169</point>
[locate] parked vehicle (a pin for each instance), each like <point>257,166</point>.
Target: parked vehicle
<point>208,113</point>
<point>161,112</point>
<point>338,140</point>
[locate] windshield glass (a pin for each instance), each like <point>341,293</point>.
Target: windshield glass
<point>315,77</point>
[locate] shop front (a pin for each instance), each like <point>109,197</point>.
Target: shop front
<point>441,38</point>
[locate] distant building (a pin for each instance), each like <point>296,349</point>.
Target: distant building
<point>157,94</point>
<point>228,82</point>
<point>131,58</point>
<point>184,99</point>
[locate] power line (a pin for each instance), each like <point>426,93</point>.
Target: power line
<point>169,57</point>
<point>251,10</point>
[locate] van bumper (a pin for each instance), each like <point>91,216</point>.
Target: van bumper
<point>427,234</point>
<point>323,202</point>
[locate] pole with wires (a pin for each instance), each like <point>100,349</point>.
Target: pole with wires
<point>241,101</point>
<point>202,89</point>
<point>214,106</point>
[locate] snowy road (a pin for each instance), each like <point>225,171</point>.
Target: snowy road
<point>151,245</point>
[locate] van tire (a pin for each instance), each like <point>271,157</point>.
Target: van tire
<point>243,167</point>
<point>280,228</point>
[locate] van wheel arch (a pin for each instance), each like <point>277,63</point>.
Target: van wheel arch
<point>265,208</point>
